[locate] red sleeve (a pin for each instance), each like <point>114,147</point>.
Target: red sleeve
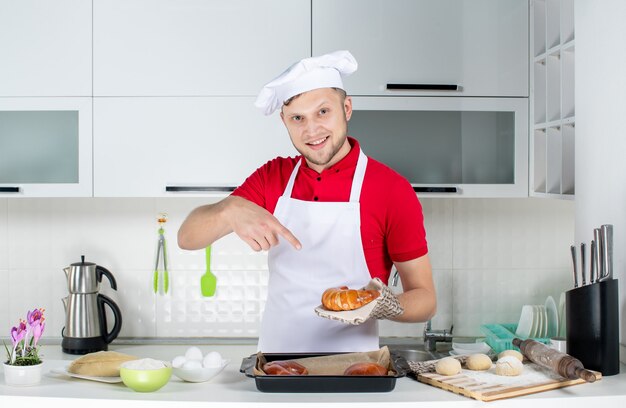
<point>266,184</point>
<point>406,235</point>
<point>253,188</point>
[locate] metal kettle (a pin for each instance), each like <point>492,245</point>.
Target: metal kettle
<point>86,328</point>
<point>85,277</point>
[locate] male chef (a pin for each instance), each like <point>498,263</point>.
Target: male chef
<point>329,217</point>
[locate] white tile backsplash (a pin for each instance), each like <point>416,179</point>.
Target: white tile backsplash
<point>6,320</point>
<point>489,256</point>
<point>4,234</point>
<point>37,288</point>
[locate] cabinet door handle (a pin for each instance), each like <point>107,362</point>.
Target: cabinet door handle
<point>435,189</point>
<point>9,189</point>
<point>188,189</point>
<point>423,87</point>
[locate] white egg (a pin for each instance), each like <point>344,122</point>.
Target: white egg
<point>178,361</point>
<point>193,353</point>
<point>213,359</point>
<point>192,365</point>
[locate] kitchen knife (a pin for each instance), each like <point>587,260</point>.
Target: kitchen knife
<point>583,263</point>
<point>592,262</point>
<point>598,238</point>
<point>573,250</point>
<point>606,231</point>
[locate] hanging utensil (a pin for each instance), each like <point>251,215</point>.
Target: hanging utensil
<point>161,256</point>
<point>208,281</point>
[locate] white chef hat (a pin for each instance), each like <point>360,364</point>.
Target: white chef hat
<point>324,71</point>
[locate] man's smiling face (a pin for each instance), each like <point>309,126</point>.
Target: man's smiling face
<point>317,122</point>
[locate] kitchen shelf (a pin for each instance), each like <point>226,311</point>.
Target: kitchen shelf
<point>552,99</point>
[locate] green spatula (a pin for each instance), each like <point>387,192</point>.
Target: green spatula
<point>208,281</point>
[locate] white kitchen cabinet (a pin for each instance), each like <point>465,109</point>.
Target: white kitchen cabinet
<point>552,99</point>
<point>196,47</point>
<point>448,147</point>
<point>481,46</point>
<point>45,147</point>
<point>144,145</point>
<point>45,48</point>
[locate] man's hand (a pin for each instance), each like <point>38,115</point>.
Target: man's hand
<point>257,226</point>
<point>254,224</point>
<point>385,306</point>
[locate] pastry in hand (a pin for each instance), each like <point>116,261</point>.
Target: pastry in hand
<point>365,369</point>
<point>286,367</point>
<point>343,298</point>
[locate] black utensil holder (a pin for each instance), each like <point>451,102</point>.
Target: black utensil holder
<point>592,315</point>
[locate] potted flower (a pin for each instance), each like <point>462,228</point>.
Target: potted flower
<point>23,365</point>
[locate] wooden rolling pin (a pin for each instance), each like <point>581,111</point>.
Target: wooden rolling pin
<point>561,363</point>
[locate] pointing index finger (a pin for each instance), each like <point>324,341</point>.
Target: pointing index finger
<point>290,237</point>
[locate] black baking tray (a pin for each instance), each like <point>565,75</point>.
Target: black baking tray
<point>322,383</point>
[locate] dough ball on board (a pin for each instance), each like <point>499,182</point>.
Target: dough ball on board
<point>448,366</point>
<point>478,362</point>
<point>509,366</point>
<point>513,353</point>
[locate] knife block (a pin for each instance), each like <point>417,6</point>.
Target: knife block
<point>592,315</point>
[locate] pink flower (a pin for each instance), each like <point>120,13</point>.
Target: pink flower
<point>37,332</point>
<point>18,333</point>
<point>34,316</point>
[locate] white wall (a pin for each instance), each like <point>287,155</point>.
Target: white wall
<point>490,256</point>
<point>600,128</point>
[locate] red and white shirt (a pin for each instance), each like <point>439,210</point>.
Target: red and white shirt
<point>392,223</point>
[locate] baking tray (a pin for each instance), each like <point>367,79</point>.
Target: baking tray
<point>322,383</point>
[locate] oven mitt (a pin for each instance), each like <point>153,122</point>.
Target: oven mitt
<point>384,306</point>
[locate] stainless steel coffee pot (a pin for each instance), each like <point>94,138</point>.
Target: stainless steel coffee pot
<point>86,328</point>
<point>85,277</point>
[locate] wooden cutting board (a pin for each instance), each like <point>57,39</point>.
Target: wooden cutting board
<point>488,386</point>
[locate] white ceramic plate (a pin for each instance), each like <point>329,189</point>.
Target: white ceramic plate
<point>553,317</point>
<point>200,374</point>
<point>535,323</point>
<point>63,371</point>
<point>525,322</point>
<point>543,321</point>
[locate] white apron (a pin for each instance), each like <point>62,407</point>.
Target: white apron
<point>331,255</point>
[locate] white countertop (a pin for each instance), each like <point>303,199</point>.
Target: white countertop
<point>233,389</point>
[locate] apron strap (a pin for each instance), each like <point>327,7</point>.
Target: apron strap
<point>357,181</point>
<point>292,180</point>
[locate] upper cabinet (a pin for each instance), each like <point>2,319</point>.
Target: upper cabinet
<point>154,147</point>
<point>471,47</point>
<point>195,47</point>
<point>45,147</point>
<point>45,48</point>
